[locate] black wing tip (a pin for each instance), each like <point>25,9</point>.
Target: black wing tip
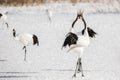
<point>91,32</point>
<point>70,39</point>
<point>35,40</point>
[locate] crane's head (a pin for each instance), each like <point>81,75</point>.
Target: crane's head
<point>80,14</point>
<point>13,30</point>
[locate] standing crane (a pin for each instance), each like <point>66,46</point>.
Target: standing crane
<point>3,18</point>
<point>49,13</point>
<point>26,39</point>
<point>77,42</point>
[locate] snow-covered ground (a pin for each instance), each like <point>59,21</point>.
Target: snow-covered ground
<point>48,61</point>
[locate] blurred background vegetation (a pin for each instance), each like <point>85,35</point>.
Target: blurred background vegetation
<point>30,2</point>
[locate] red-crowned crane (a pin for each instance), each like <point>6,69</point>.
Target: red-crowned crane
<point>49,13</point>
<point>26,39</point>
<point>77,42</point>
<point>3,18</point>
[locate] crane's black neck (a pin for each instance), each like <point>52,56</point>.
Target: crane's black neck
<point>14,33</point>
<point>75,21</point>
<point>85,26</point>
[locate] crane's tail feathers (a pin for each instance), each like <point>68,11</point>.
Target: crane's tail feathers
<point>91,32</point>
<point>35,40</point>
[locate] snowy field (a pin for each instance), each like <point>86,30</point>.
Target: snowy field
<point>101,60</point>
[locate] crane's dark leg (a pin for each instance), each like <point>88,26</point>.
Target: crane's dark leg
<point>49,19</point>
<point>80,67</point>
<point>76,69</point>
<point>25,53</point>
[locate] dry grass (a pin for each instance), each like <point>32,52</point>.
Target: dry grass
<point>30,2</point>
<point>20,2</point>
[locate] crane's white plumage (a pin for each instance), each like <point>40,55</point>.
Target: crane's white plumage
<point>77,42</point>
<point>26,39</point>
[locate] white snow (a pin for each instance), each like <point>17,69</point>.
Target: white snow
<point>101,60</point>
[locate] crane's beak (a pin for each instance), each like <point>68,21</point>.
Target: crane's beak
<point>79,17</point>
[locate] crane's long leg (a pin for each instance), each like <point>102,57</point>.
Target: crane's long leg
<point>80,67</point>
<point>49,19</point>
<point>76,69</point>
<point>25,53</point>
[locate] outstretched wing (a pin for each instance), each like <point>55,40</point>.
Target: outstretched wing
<point>71,38</point>
<point>91,32</point>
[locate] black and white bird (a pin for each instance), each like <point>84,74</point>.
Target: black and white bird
<point>26,39</point>
<point>77,42</point>
<point>3,19</point>
<point>49,14</point>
